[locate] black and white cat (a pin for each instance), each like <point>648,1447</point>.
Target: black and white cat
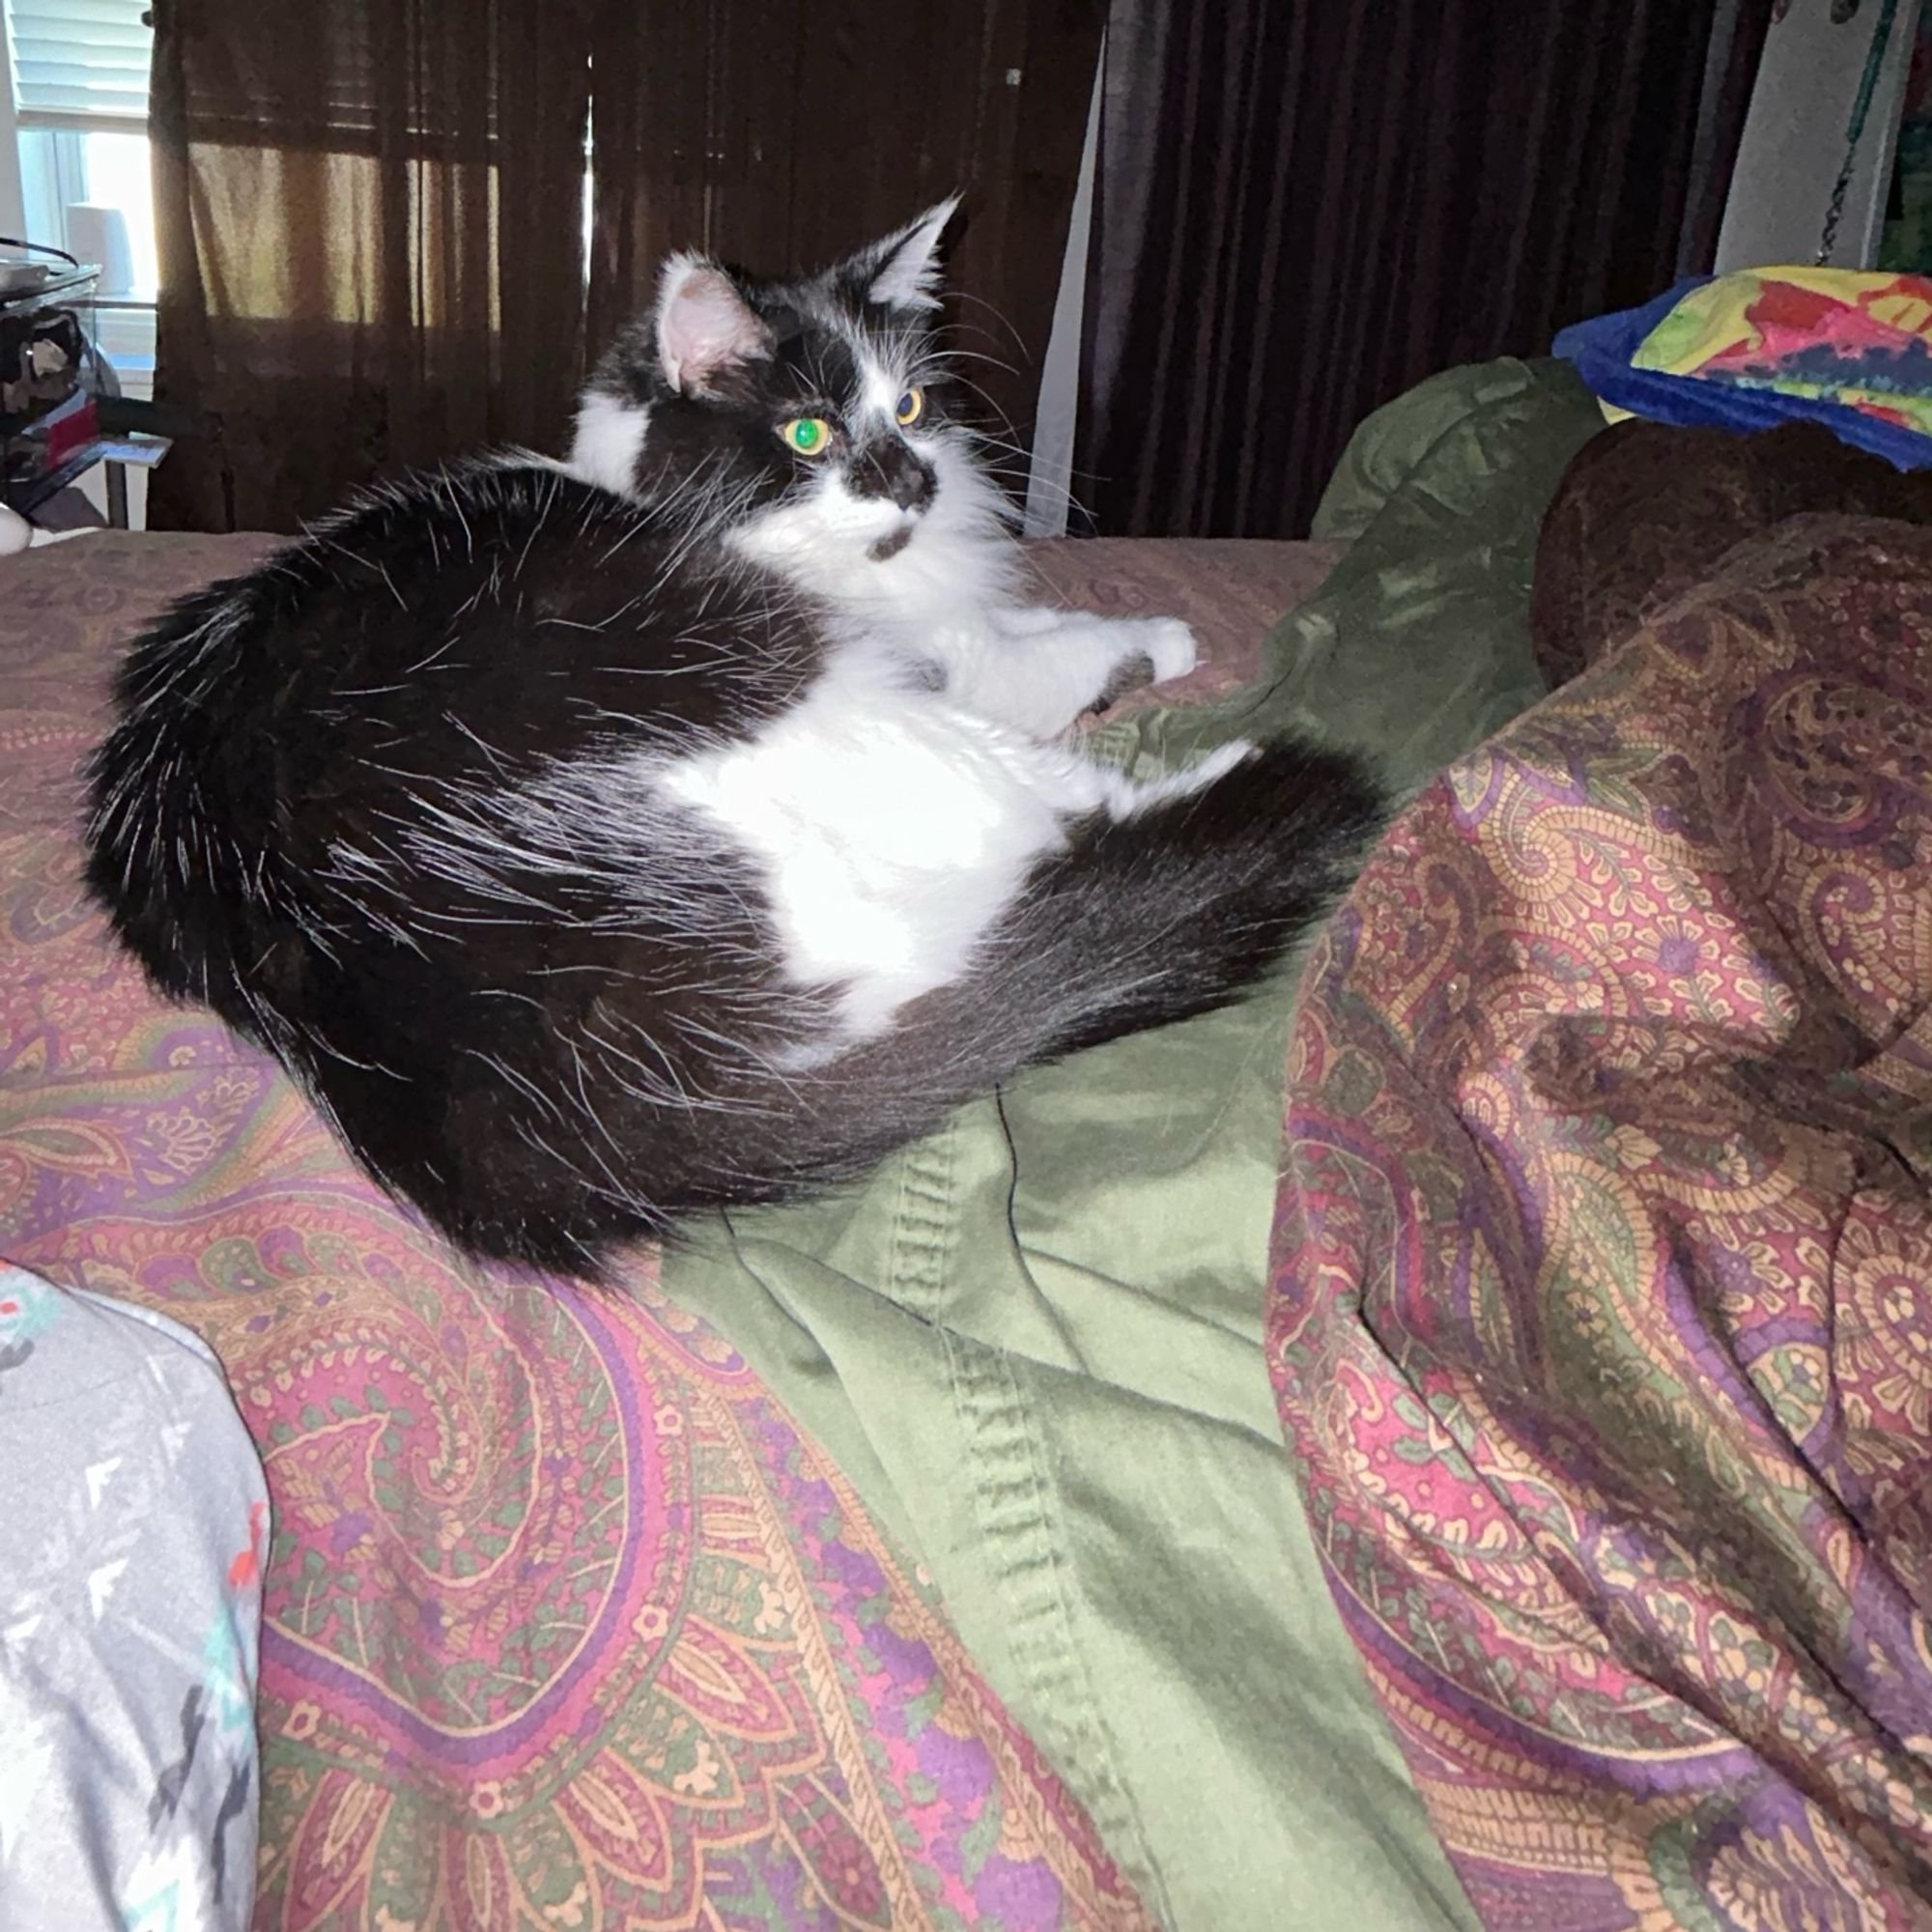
<point>689,823</point>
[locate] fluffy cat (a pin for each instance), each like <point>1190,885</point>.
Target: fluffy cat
<point>688,823</point>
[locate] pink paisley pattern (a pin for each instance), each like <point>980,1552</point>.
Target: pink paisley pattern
<point>1601,1306</point>
<point>566,1626</point>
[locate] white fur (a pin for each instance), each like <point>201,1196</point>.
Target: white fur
<point>948,597</point>
<point>609,438</point>
<point>889,833</point>
<point>893,829</point>
<point>891,822</point>
<point>880,393</point>
<point>908,270</point>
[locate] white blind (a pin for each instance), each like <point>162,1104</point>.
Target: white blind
<point>84,58</point>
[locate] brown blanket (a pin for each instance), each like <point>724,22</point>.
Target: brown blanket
<point>1646,511</point>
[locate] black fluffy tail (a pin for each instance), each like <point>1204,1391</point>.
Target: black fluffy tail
<point>544,1117</point>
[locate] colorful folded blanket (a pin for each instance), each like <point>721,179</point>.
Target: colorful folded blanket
<point>1748,351</point>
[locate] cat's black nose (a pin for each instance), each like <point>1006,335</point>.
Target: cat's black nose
<point>911,486</point>
<point>892,470</point>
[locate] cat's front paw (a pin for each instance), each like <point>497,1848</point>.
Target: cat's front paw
<point>1170,647</point>
<point>1161,648</point>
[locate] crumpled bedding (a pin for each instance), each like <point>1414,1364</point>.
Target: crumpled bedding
<point>1035,1340</point>
<point>581,1607</point>
<point>566,1624</point>
<point>1601,1314</point>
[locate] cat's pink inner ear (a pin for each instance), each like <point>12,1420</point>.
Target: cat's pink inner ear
<point>703,326</point>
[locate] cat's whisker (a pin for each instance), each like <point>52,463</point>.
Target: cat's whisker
<point>998,314</point>
<point>944,358</point>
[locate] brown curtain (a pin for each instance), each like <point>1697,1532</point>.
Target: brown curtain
<point>779,134</point>
<point>370,212</point>
<point>1305,207</point>
<point>369,215</point>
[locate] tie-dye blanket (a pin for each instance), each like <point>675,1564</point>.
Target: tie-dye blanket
<point>1848,347</point>
<point>1602,1310</point>
<point>1838,334</point>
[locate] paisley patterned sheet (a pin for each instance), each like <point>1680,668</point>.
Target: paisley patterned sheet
<point>565,1625</point>
<point>1602,1302</point>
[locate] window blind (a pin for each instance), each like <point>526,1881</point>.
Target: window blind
<point>79,59</point>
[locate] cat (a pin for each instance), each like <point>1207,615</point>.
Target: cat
<point>692,821</point>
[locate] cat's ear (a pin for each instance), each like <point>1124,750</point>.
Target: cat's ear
<point>903,270</point>
<point>704,324</point>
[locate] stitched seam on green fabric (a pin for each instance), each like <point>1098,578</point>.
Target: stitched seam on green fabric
<point>1015,1507</point>
<point>922,1227</point>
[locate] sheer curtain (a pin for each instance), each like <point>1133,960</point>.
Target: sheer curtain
<point>370,212</point>
<point>370,237</point>
<point>783,132</point>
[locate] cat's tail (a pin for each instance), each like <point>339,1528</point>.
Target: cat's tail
<point>1167,911</point>
<point>553,1147</point>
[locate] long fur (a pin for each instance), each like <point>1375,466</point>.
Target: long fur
<point>692,823</point>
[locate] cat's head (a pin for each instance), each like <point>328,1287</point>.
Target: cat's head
<point>804,421</point>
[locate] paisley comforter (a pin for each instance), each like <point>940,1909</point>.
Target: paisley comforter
<point>565,1623</point>
<point>1602,1302</point>
<point>1599,1317</point>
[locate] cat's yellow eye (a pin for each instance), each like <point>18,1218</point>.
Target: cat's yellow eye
<point>807,436</point>
<point>910,407</point>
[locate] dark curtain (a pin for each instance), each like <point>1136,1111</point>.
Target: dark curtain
<point>370,212</point>
<point>369,217</point>
<point>1304,207</point>
<point>779,134</point>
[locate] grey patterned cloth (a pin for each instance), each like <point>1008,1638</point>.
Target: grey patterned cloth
<point>132,1540</point>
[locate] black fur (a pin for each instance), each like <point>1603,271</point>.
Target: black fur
<point>368,803</point>
<point>809,370</point>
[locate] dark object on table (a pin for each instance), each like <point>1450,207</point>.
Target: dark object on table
<point>1646,510</point>
<point>46,345</point>
<point>42,356</point>
<point>61,407</point>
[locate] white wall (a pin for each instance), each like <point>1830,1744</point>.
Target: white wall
<point>1795,139</point>
<point>1050,475</point>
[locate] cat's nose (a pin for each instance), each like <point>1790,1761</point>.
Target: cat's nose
<point>911,487</point>
<point>890,469</point>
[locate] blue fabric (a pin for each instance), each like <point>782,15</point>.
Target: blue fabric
<point>1602,348</point>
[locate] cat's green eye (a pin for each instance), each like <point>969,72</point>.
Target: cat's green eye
<point>807,436</point>
<point>910,407</point>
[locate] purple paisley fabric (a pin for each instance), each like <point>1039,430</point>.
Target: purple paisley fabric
<point>565,1624</point>
<point>1601,1306</point>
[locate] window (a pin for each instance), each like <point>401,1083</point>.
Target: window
<point>87,59</point>
<point>73,154</point>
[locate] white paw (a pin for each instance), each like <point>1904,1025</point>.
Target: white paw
<point>1169,646</point>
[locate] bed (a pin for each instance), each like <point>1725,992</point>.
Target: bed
<point>1331,1461</point>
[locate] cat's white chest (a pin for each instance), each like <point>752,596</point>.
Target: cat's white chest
<point>889,829</point>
